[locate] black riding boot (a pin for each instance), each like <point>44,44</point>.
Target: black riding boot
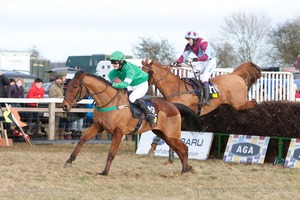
<point>206,93</point>
<point>150,116</point>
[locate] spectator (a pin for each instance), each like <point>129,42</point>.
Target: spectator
<point>89,120</point>
<point>77,124</point>
<point>12,82</point>
<point>36,91</point>
<point>297,62</point>
<point>4,81</point>
<point>56,90</point>
<point>16,90</point>
<point>89,115</point>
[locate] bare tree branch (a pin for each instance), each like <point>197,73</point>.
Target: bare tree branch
<point>161,51</point>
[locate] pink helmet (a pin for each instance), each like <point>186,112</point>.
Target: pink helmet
<point>191,34</point>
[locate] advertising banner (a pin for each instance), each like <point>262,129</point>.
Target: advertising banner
<point>246,149</point>
<point>199,144</point>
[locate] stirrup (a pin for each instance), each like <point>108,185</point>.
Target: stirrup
<point>207,103</point>
<point>150,119</point>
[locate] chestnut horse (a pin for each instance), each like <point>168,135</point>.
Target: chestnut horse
<point>232,88</point>
<point>112,113</point>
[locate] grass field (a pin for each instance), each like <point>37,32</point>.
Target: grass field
<point>37,173</point>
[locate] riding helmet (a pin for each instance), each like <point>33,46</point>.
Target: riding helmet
<point>117,55</point>
<point>191,34</point>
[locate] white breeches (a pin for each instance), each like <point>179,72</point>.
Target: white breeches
<point>138,91</point>
<point>206,68</point>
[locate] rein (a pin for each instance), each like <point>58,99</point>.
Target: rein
<point>178,92</point>
<point>101,92</point>
<point>162,78</point>
<point>77,98</point>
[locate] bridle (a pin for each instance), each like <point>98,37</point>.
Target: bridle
<point>78,95</point>
<point>163,77</point>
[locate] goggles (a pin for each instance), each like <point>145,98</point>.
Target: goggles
<point>114,62</point>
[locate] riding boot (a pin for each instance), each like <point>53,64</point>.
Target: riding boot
<point>141,105</point>
<point>206,93</point>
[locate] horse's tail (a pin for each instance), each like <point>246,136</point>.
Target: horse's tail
<point>249,71</point>
<point>190,121</point>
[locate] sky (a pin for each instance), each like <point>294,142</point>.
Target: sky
<point>62,28</point>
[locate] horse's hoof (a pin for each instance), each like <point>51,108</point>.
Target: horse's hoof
<point>151,150</point>
<point>168,162</point>
<point>67,165</point>
<point>150,153</point>
<point>102,174</point>
<point>188,169</point>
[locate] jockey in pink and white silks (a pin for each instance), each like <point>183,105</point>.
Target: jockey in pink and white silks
<point>205,62</point>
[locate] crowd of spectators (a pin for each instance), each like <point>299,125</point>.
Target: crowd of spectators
<point>66,126</point>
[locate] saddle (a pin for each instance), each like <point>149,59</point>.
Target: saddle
<point>138,113</point>
<point>198,88</point>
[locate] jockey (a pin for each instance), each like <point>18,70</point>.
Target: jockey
<point>134,79</point>
<point>205,62</point>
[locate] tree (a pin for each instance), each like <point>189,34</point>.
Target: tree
<point>225,56</point>
<point>161,51</point>
<point>285,39</point>
<point>245,34</point>
<point>34,52</point>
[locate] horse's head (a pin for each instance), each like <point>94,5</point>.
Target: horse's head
<point>157,72</point>
<point>147,67</point>
<point>75,91</point>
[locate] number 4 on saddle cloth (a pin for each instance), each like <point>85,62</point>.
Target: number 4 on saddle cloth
<point>198,87</point>
<point>138,113</point>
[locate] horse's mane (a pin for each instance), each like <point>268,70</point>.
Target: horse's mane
<point>79,73</point>
<point>249,72</point>
<point>99,78</point>
<point>154,62</point>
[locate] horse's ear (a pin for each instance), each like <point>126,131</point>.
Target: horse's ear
<point>145,62</point>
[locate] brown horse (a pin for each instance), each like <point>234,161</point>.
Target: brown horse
<point>112,113</point>
<point>232,88</point>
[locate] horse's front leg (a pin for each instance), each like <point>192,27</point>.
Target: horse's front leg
<point>93,130</point>
<point>115,143</point>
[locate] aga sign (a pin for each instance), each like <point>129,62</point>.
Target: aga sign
<point>293,156</point>
<point>246,149</point>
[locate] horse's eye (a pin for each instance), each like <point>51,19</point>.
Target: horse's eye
<point>75,86</point>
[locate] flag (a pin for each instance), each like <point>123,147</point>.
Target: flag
<point>16,117</point>
<point>8,117</point>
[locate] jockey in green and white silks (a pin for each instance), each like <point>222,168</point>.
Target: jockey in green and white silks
<point>133,78</point>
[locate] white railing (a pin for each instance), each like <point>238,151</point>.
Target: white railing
<point>51,109</point>
<point>271,86</point>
